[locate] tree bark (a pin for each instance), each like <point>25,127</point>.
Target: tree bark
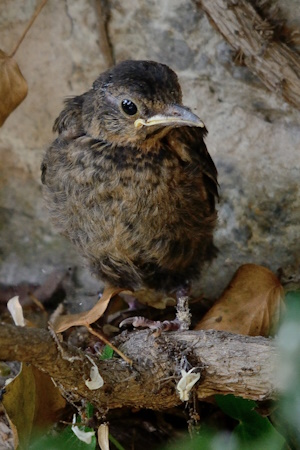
<point>229,364</point>
<point>251,36</point>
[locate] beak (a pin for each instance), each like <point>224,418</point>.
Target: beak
<point>173,116</point>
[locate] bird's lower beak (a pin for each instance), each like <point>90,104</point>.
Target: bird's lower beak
<point>172,116</point>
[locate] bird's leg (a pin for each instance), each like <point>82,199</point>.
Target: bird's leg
<point>181,322</point>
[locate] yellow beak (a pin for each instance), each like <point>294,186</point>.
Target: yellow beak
<point>173,116</point>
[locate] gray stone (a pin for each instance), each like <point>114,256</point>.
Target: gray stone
<point>254,137</point>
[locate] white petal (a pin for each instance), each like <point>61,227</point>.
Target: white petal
<point>16,311</point>
<point>84,436</point>
<point>96,381</point>
<point>186,382</point>
<point>103,439</point>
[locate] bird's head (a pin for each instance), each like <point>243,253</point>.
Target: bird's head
<point>135,103</point>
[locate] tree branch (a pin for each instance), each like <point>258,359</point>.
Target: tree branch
<point>104,42</point>
<point>251,36</point>
<point>235,364</point>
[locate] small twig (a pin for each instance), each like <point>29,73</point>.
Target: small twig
<point>30,23</point>
<point>183,314</point>
<point>104,43</point>
<point>63,353</point>
<point>112,346</point>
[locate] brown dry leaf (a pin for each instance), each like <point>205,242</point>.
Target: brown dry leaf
<point>18,402</point>
<point>49,402</point>
<point>32,404</point>
<point>155,299</point>
<point>250,305</point>
<point>13,86</point>
<point>63,323</point>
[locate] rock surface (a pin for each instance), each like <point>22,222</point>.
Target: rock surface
<point>254,137</point>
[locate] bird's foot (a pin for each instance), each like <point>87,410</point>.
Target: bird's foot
<point>155,325</point>
<point>181,323</point>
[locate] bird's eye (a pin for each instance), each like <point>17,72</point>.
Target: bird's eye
<point>129,107</point>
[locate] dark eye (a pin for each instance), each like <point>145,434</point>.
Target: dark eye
<point>129,107</point>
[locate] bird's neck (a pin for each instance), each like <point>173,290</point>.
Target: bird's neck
<point>151,143</point>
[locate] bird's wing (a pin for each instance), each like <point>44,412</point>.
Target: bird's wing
<point>69,122</point>
<point>68,125</point>
<point>188,143</point>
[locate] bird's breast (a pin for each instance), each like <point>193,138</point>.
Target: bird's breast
<point>119,204</point>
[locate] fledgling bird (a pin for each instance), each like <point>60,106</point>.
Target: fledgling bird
<point>130,182</point>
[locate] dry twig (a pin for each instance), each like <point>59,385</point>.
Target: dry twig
<point>228,363</point>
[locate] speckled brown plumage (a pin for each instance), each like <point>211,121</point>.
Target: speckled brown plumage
<point>137,200</point>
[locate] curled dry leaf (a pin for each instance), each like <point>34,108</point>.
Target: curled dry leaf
<point>85,318</point>
<point>13,86</point>
<point>103,436</point>
<point>250,305</point>
<point>96,380</point>
<point>153,298</point>
<point>16,311</point>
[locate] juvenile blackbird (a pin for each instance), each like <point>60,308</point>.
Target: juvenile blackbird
<point>130,182</point>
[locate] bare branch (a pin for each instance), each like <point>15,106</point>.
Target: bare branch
<point>104,42</point>
<point>228,363</point>
<point>251,36</point>
<point>29,25</point>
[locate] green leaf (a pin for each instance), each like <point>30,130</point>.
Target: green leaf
<point>236,407</point>
<point>207,439</point>
<point>89,410</point>
<point>288,340</point>
<point>116,443</point>
<point>292,299</point>
<point>107,353</point>
<point>253,430</point>
<point>62,441</point>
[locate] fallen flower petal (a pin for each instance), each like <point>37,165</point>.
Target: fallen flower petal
<point>84,436</point>
<point>186,382</point>
<point>103,436</point>
<point>96,381</point>
<point>16,311</point>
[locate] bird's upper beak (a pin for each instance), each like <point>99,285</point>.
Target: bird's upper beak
<point>172,116</point>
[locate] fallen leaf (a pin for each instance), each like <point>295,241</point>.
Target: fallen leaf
<point>16,311</point>
<point>103,436</point>
<point>252,427</point>
<point>49,403</point>
<point>19,406</point>
<point>96,381</point>
<point>152,298</point>
<point>250,305</point>
<point>63,323</point>
<point>13,86</point>
<point>32,404</point>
